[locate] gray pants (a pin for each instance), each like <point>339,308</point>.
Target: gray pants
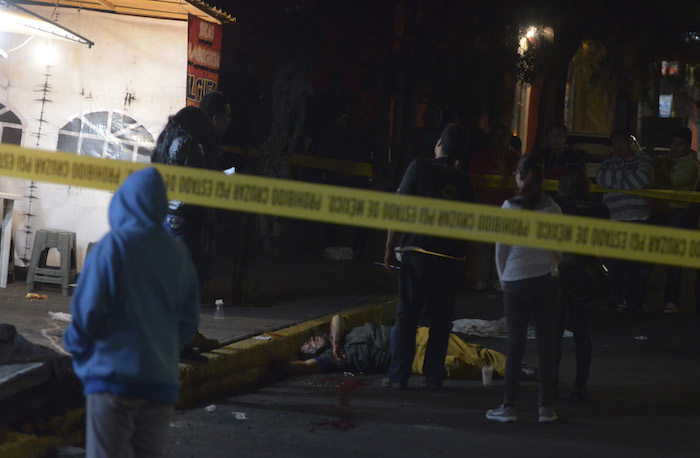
<point>124,427</point>
<point>535,298</point>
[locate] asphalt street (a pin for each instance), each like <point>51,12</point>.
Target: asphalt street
<point>342,416</point>
<point>643,403</point>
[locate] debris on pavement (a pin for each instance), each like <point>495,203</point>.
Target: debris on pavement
<point>61,316</point>
<point>219,312</point>
<point>339,253</point>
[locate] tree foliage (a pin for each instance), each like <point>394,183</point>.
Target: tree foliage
<point>464,55</point>
<point>623,44</point>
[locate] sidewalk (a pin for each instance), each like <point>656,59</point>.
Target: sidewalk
<point>295,287</point>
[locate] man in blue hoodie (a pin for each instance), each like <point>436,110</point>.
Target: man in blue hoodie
<point>135,306</point>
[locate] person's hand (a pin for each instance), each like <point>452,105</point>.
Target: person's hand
<point>339,352</point>
<point>389,258</point>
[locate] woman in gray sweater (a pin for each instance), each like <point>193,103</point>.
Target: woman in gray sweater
<point>530,289</point>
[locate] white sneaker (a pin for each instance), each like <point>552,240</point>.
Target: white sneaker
<point>671,308</point>
<point>547,415</point>
<point>502,413</point>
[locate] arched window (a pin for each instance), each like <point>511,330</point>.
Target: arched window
<point>107,134</point>
<point>11,126</point>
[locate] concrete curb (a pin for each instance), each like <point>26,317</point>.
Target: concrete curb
<point>61,430</point>
<point>17,377</point>
<point>244,362</point>
<point>18,445</point>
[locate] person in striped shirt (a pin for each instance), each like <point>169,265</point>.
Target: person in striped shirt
<point>626,169</point>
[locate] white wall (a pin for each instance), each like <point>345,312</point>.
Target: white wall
<point>137,66</point>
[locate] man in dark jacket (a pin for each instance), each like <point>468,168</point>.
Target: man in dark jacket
<point>185,142</point>
<point>217,106</point>
<point>557,155</point>
<point>430,266</point>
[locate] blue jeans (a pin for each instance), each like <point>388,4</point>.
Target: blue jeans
<point>628,281</point>
<point>534,298</point>
<point>427,287</point>
<point>117,426</point>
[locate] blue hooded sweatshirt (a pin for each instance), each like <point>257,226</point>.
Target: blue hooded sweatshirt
<point>137,302</point>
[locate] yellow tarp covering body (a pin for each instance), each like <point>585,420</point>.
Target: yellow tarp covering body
<point>463,361</point>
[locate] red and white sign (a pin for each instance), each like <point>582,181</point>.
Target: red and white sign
<point>203,58</point>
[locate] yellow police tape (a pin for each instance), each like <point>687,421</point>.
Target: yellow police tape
<point>499,181</point>
<point>372,209</point>
<point>363,169</point>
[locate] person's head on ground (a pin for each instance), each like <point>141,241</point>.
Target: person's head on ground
<point>190,119</point>
<point>681,139</point>
<point>622,142</point>
<point>218,107</point>
<point>529,177</point>
<point>452,141</point>
<point>314,347</point>
<point>556,136</point>
<point>574,184</point>
<point>140,202</point>
<point>500,137</point>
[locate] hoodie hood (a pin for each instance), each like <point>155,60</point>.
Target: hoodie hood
<point>141,201</point>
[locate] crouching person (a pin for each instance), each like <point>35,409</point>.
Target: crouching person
<point>135,306</point>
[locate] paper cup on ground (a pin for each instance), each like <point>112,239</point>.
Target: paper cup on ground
<point>486,375</point>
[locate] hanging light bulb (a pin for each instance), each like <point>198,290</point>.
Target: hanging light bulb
<point>46,53</point>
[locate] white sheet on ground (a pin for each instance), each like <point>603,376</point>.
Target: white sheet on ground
<point>489,328</point>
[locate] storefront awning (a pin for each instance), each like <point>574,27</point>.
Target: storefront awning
<point>164,9</point>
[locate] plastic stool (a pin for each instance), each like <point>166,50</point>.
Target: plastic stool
<point>39,272</point>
